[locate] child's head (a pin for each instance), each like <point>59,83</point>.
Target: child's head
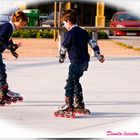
<point>69,18</point>
<point>19,19</point>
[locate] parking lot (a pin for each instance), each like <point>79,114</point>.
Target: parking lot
<point>129,40</point>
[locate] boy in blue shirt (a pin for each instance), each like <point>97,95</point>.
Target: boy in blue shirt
<point>19,20</point>
<point>76,44</point>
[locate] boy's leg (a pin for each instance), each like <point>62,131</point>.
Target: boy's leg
<point>70,84</point>
<point>78,88</point>
<point>78,99</point>
<point>3,77</point>
<point>67,110</point>
<point>6,95</point>
<point>73,86</point>
<point>74,75</point>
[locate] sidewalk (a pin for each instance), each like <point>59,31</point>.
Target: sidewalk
<point>111,92</point>
<point>49,48</point>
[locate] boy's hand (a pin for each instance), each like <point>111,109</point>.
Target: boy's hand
<point>14,54</point>
<point>19,44</point>
<point>101,58</point>
<point>62,58</point>
<point>13,49</point>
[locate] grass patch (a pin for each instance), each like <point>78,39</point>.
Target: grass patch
<point>126,46</point>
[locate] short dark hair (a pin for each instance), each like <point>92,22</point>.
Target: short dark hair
<point>19,16</point>
<point>70,15</point>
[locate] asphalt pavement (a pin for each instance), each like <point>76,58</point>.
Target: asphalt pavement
<point>111,92</point>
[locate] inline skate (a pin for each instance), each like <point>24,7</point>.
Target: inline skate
<point>66,110</point>
<point>79,106</point>
<point>9,96</point>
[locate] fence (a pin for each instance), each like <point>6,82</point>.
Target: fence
<point>94,29</point>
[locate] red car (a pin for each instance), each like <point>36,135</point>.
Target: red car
<point>124,19</point>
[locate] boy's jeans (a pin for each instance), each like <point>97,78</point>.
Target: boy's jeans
<point>3,75</point>
<point>76,71</point>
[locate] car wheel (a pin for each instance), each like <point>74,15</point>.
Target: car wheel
<point>111,33</point>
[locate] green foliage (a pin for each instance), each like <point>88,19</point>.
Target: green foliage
<point>101,34</point>
<point>16,34</point>
<point>48,34</point>
<point>33,34</point>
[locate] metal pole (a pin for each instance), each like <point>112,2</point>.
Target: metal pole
<point>100,18</point>
<point>95,37</point>
<point>60,38</point>
<point>55,18</point>
<point>60,32</point>
<point>68,5</point>
<point>59,14</point>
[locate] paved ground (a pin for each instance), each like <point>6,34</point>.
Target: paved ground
<point>49,48</point>
<point>129,40</point>
<point>111,92</point>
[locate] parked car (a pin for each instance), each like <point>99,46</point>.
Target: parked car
<point>124,19</point>
<point>49,20</point>
<point>42,19</point>
<point>4,18</point>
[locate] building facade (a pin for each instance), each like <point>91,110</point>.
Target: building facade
<point>89,12</point>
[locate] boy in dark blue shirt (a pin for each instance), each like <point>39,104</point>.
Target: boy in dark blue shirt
<point>19,20</point>
<point>76,44</point>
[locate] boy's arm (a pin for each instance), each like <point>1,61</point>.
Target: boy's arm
<point>96,49</point>
<point>4,46</point>
<point>5,34</point>
<point>13,47</point>
<point>64,47</point>
<point>62,53</point>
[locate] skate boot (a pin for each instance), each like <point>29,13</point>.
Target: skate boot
<point>15,97</point>
<point>79,106</point>
<point>8,96</point>
<point>3,92</point>
<point>66,110</point>
<point>2,102</point>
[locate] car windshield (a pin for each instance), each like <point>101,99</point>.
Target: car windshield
<point>51,16</point>
<point>4,18</point>
<point>128,16</point>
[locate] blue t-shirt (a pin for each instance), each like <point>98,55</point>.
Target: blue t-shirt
<point>6,31</point>
<point>76,41</point>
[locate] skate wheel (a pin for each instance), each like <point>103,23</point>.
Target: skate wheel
<point>55,114</point>
<point>80,112</point>
<point>87,112</point>
<point>73,116</point>
<point>61,115</point>
<point>8,102</point>
<point>20,99</point>
<point>2,104</point>
<point>14,101</point>
<point>66,115</point>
